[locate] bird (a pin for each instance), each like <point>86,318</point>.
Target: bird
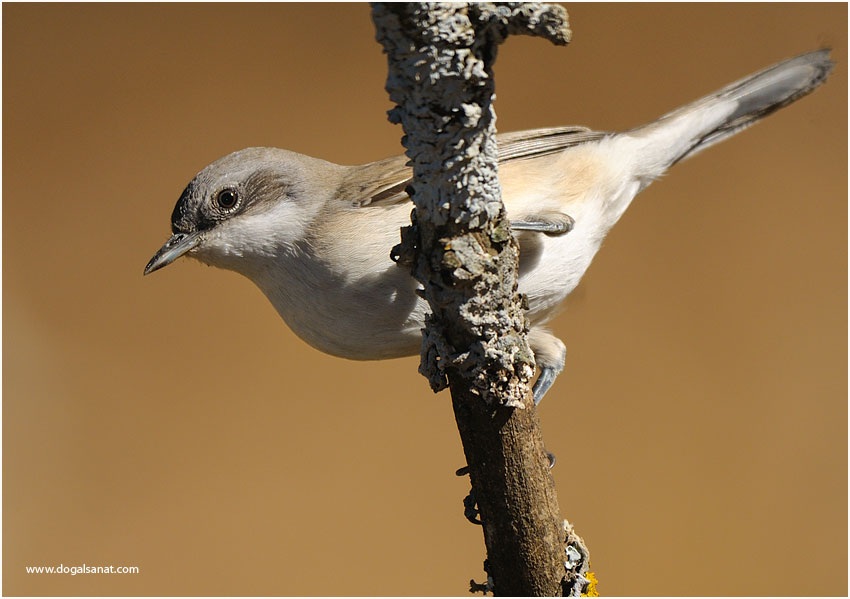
<point>316,237</point>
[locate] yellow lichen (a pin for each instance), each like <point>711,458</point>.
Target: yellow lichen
<point>591,590</point>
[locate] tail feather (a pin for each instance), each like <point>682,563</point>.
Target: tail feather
<point>713,118</point>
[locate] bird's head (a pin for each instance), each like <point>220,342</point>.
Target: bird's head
<point>249,205</point>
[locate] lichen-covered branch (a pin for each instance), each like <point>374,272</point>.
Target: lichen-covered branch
<point>440,58</point>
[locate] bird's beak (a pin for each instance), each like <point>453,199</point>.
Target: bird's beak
<point>179,244</point>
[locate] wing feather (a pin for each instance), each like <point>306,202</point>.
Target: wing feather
<point>385,181</point>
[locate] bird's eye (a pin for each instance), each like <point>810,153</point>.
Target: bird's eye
<point>226,199</point>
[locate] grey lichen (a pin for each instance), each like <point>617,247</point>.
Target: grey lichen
<point>576,583</point>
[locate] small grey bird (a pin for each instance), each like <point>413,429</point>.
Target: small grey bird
<point>315,237</point>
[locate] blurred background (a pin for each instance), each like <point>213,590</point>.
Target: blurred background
<point>174,423</point>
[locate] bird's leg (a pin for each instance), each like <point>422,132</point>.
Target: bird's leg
<point>550,223</point>
<point>550,353</point>
<point>544,382</point>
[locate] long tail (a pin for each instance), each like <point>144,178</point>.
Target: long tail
<point>698,125</point>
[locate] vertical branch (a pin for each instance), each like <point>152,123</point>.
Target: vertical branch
<point>440,59</point>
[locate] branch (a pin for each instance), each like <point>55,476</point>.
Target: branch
<point>463,253</point>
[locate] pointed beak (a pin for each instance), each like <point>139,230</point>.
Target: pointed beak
<point>179,244</point>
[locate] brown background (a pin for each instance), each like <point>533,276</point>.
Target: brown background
<point>175,424</point>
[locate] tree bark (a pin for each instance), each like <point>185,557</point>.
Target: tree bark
<point>463,253</point>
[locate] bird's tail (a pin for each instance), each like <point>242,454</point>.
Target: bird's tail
<point>698,125</point>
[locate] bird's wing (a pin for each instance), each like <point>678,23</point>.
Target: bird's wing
<point>540,142</point>
<point>384,182</point>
